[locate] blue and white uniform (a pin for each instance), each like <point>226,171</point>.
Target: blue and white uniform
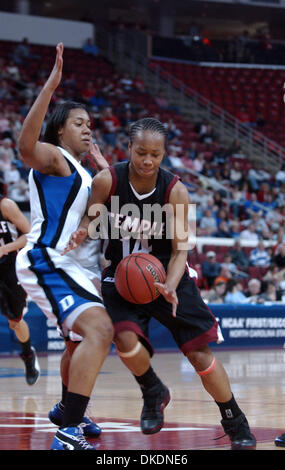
<point>60,285</point>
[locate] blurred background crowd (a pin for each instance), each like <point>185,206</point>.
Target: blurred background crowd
<point>236,201</point>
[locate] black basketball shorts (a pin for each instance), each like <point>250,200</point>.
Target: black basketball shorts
<point>12,295</point>
<point>193,327</point>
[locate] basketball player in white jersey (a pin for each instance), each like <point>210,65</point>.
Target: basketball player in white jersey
<point>59,285</point>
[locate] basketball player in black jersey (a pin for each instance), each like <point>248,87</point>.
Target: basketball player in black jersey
<point>13,227</point>
<point>141,182</point>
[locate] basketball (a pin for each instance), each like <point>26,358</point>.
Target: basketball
<point>135,277</point>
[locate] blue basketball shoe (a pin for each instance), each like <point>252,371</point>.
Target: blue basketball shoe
<point>90,429</point>
<point>280,441</point>
<point>70,438</point>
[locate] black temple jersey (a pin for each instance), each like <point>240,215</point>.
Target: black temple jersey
<point>8,234</point>
<point>138,223</point>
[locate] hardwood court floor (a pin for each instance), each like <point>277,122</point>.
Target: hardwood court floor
<point>192,420</point>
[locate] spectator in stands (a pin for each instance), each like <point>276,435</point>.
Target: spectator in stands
<point>193,152</point>
<point>270,293</point>
<point>235,149</point>
<point>220,156</point>
<point>200,196</point>
<point>252,206</point>
<point>24,108</point>
<point>237,200</point>
<point>88,91</point>
<point>5,164</point>
<point>265,188</point>
<point>12,176</point>
<point>4,123</point>
<point>22,53</point>
<point>207,170</point>
<point>224,275</point>
<point>253,291</point>
<point>90,48</point>
<point>236,175</point>
<point>5,90</point>
<point>279,256</point>
<point>174,159</point>
<point>259,256</point>
<point>15,126</point>
<point>201,127</point>
<point>198,162</point>
<point>12,71</point>
<point>172,129</point>
<point>256,177</point>
<point>280,175</point>
<point>110,126</point>
<point>208,224</point>
<point>228,263</point>
<point>249,233</point>
<point>225,175</point>
<point>139,85</point>
<point>268,203</point>
<point>126,81</point>
<point>274,274</point>
<point>234,228</point>
<point>209,136</point>
<point>223,230</point>
<point>241,43</point>
<point>19,191</point>
<point>210,268</point>
<point>239,257</point>
<point>217,293</point>
<point>258,220</point>
<point>234,294</point>
<point>6,149</point>
<point>175,145</point>
<point>98,101</point>
<point>282,287</point>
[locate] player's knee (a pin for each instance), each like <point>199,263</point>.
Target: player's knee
<point>202,361</point>
<point>126,341</point>
<point>98,328</point>
<point>105,331</point>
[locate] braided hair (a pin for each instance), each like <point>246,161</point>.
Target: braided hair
<point>148,124</point>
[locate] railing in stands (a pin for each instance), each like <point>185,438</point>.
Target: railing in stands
<point>125,49</point>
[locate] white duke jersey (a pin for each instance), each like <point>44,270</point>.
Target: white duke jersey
<point>52,199</point>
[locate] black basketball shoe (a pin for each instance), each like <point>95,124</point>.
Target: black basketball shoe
<point>32,367</point>
<point>155,400</point>
<point>239,433</point>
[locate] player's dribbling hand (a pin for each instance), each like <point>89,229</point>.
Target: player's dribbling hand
<point>169,295</point>
<point>76,239</point>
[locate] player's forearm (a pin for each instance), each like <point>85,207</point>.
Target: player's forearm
<point>16,245</point>
<point>176,268</point>
<point>31,129</point>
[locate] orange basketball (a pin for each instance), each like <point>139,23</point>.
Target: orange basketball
<point>135,277</point>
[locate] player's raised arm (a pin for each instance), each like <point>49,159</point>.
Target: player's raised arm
<point>37,155</point>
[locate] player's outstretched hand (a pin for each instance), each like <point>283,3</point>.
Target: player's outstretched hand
<point>169,295</point>
<point>98,158</point>
<point>55,76</point>
<point>76,239</point>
